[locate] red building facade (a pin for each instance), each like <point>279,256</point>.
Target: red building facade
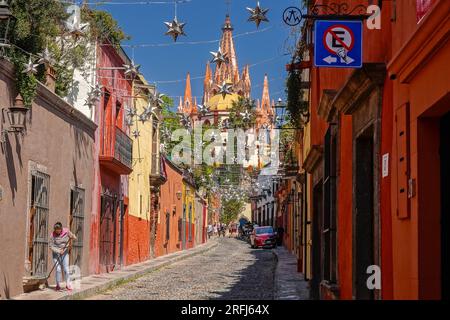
<point>113,149</point>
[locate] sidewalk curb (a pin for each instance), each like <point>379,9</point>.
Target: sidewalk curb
<point>130,275</point>
<point>288,285</point>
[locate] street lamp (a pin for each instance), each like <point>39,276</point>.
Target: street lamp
<point>16,115</point>
<point>6,17</point>
<point>304,114</point>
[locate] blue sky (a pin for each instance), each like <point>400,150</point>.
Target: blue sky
<point>204,18</point>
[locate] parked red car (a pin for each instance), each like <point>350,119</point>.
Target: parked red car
<point>263,237</point>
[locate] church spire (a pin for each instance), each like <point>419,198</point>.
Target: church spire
<point>227,71</point>
<point>207,83</point>
<point>188,95</point>
<point>265,101</point>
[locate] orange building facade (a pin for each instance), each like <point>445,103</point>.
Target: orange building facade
<point>377,160</point>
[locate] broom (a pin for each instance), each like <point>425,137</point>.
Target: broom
<point>57,261</point>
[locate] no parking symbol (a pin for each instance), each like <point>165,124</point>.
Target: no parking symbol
<point>338,44</point>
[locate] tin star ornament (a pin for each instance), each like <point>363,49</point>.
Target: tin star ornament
<point>76,29</point>
<point>246,116</point>
<point>185,121</point>
<point>202,109</point>
<point>175,29</point>
<point>46,57</point>
<point>136,134</point>
<point>158,99</point>
<point>30,67</point>
<point>219,57</point>
<point>258,14</point>
<point>131,69</point>
<point>225,89</point>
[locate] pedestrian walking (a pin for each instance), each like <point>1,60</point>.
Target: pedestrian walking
<point>210,231</point>
<point>59,244</point>
<point>215,229</point>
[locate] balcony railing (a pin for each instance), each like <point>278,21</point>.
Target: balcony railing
<point>116,150</point>
<point>157,177</point>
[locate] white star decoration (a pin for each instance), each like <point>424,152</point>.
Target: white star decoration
<point>246,116</point>
<point>46,57</point>
<point>175,29</point>
<point>30,67</point>
<point>258,15</point>
<point>219,57</point>
<point>136,134</point>
<point>202,109</point>
<point>158,99</point>
<point>131,69</point>
<point>225,89</point>
<point>185,121</point>
<point>76,29</point>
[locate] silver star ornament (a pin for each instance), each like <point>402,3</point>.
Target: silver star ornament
<point>30,67</point>
<point>175,29</point>
<point>158,99</point>
<point>131,69</point>
<point>258,14</point>
<point>46,57</point>
<point>225,89</point>
<point>219,57</point>
<point>202,109</point>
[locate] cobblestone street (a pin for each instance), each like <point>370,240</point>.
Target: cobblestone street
<point>232,270</point>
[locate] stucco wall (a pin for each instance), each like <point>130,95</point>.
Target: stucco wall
<point>59,142</point>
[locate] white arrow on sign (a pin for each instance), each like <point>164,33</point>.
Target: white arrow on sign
<point>330,60</point>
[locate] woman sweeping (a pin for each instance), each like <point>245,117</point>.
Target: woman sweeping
<point>59,244</point>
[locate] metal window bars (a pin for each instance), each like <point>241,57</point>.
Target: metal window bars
<point>40,202</point>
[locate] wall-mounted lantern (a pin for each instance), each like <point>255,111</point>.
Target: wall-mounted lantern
<point>16,115</point>
<point>6,19</point>
<point>179,194</point>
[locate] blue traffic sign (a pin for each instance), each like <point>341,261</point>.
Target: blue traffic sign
<point>338,44</point>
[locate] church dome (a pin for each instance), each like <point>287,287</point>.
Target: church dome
<point>219,103</point>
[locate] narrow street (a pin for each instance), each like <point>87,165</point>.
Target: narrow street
<point>231,271</point>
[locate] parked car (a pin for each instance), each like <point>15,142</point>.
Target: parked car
<point>263,237</point>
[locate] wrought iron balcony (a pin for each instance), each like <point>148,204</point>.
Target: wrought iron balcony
<point>157,177</point>
<point>116,150</point>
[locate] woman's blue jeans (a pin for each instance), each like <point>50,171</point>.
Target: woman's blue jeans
<point>62,265</point>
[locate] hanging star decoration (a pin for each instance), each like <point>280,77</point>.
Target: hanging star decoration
<point>246,116</point>
<point>131,69</point>
<point>94,95</point>
<point>203,109</point>
<point>258,14</point>
<point>76,29</point>
<point>175,29</point>
<point>131,112</point>
<point>46,57</point>
<point>30,67</point>
<point>189,170</point>
<point>150,110</point>
<point>166,133</point>
<point>97,91</point>
<point>219,57</point>
<point>185,121</point>
<point>225,89</point>
<point>158,99</point>
<point>143,117</point>
<point>136,134</point>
